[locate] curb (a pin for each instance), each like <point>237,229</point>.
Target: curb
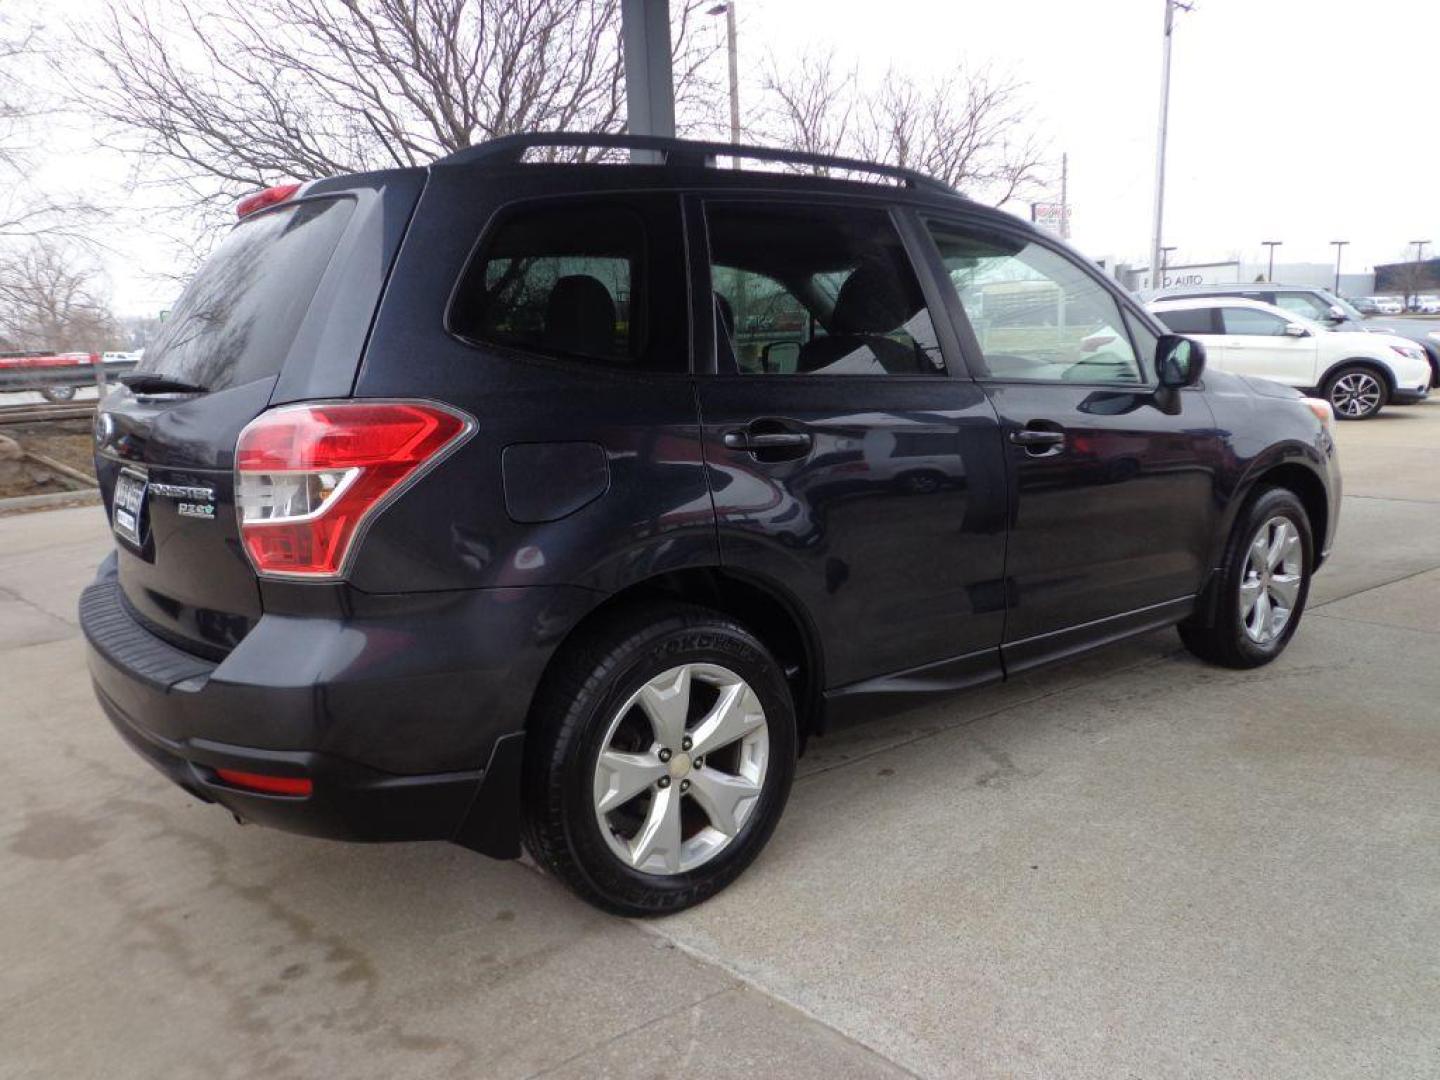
<point>55,500</point>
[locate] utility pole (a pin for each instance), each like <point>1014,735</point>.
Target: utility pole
<point>1065,196</point>
<point>1272,245</point>
<point>728,10</point>
<point>1339,249</point>
<point>1164,264</point>
<point>1159,224</point>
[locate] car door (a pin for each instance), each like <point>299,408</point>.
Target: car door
<point>1258,342</point>
<point>1113,508</point>
<point>849,467</point>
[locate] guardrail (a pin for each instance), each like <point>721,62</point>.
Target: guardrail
<point>36,412</point>
<point>45,371</point>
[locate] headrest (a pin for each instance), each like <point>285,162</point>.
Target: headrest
<point>580,317</point>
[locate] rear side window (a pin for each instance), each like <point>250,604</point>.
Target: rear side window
<point>1189,320</point>
<point>239,315</point>
<point>807,290</point>
<point>598,282</point>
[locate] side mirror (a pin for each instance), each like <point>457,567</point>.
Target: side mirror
<point>1336,313</point>
<point>1296,330</point>
<point>780,356</point>
<point>1179,361</point>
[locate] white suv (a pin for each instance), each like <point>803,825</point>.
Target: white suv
<point>1358,373</point>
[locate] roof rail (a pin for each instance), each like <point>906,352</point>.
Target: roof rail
<point>510,149</point>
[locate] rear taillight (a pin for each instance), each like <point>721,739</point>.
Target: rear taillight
<point>308,478</point>
<point>261,199</point>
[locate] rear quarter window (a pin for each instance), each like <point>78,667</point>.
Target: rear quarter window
<point>237,318</point>
<point>597,282</point>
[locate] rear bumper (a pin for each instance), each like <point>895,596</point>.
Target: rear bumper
<point>408,730</point>
<point>349,802</point>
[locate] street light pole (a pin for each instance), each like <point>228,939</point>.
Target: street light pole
<point>1157,231</point>
<point>1164,264</point>
<point>728,10</point>
<point>1339,250</point>
<point>1272,245</point>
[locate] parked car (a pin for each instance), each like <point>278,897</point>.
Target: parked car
<point>1388,305</point>
<point>1365,305</point>
<point>417,538</point>
<point>55,375</point>
<point>1322,307</point>
<point>1317,305</point>
<point>1357,373</point>
<point>1425,304</point>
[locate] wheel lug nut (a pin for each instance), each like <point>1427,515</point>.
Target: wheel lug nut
<point>699,761</point>
<point>685,743</point>
<point>664,754</point>
<point>663,782</point>
<point>684,785</point>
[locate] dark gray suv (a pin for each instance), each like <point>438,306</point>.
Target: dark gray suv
<point>506,499</point>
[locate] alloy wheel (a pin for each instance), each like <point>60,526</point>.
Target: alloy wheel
<point>681,768</point>
<point>1270,585</point>
<point>1356,394</point>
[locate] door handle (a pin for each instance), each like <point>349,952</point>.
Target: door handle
<point>1037,438</point>
<point>746,440</point>
<point>770,440</point>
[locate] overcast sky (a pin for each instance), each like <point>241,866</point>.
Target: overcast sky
<point>1297,120</point>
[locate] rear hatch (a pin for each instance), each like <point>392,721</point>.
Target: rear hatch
<point>279,312</point>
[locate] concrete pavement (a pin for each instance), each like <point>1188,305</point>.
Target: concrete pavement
<point>1132,865</point>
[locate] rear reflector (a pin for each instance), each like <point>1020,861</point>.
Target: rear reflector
<point>270,785</point>
<point>308,478</point>
<point>261,199</point>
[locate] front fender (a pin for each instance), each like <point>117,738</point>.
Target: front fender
<point>1261,433</point>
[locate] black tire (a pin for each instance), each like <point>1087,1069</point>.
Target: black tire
<point>1338,391</point>
<point>582,691</point>
<point>1226,642</point>
<point>58,393</point>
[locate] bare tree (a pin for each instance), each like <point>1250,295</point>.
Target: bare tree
<point>50,299</point>
<point>235,93</point>
<point>972,129</point>
<point>810,107</point>
<point>1409,276</point>
<point>24,211</point>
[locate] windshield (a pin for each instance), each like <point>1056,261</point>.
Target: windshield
<point>1351,312</point>
<point>238,316</point>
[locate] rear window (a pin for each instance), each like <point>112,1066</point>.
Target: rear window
<point>1189,320</point>
<point>238,316</point>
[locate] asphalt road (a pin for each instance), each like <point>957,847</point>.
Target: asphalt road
<point>1133,866</point>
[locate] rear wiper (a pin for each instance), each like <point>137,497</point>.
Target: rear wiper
<point>149,382</point>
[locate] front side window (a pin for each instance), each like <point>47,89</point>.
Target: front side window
<point>1251,322</point>
<point>577,281</point>
<point>805,290</point>
<point>1037,315</point>
<point>1304,305</point>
